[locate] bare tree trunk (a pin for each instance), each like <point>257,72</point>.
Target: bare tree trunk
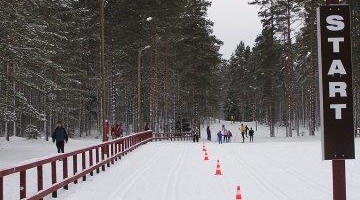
<point>45,131</point>
<point>6,131</point>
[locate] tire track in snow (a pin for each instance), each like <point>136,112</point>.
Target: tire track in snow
<point>128,183</point>
<point>266,184</point>
<point>173,177</point>
<point>295,173</point>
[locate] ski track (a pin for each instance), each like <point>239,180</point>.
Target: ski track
<point>173,176</point>
<point>266,184</point>
<point>131,180</point>
<point>292,172</point>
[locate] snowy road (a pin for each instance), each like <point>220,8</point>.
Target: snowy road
<point>176,171</point>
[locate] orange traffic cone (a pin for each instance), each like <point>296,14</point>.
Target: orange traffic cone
<point>238,193</point>
<point>204,148</point>
<point>206,156</point>
<point>218,169</point>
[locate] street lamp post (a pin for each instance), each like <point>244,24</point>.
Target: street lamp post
<point>139,85</point>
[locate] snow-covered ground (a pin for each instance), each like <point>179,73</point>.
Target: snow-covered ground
<point>270,168</point>
<point>18,150</point>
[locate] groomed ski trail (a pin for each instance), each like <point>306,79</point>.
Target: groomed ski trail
<point>177,171</point>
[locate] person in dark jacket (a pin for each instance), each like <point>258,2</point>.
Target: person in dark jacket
<point>246,130</point>
<point>208,133</point>
<point>196,134</point>
<point>251,134</point>
<point>119,131</point>
<point>60,136</point>
<point>220,135</point>
<point>147,127</point>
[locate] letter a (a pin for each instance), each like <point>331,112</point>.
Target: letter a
<point>337,68</point>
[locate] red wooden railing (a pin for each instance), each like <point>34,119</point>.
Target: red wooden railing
<point>90,161</point>
<point>173,136</point>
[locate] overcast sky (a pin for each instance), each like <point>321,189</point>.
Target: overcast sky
<point>235,21</point>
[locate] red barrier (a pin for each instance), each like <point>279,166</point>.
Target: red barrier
<point>113,150</point>
<point>87,160</point>
<point>173,136</point>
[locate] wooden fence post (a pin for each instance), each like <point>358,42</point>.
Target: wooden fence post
<point>65,171</point>
<point>97,158</point>
<point>112,152</point>
<point>108,146</point>
<point>23,184</point>
<point>75,167</point>
<point>116,150</point>
<point>102,157</point>
<point>53,177</point>
<point>1,187</point>
<point>91,161</point>
<point>83,159</point>
<point>40,180</point>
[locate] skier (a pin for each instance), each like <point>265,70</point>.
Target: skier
<point>226,136</point>
<point>196,134</point>
<point>60,136</point>
<point>224,133</point>
<point>208,133</point>
<point>246,130</point>
<point>229,136</point>
<point>119,130</point>
<point>242,131</point>
<point>113,131</point>
<point>251,134</point>
<point>219,137</point>
<point>147,127</point>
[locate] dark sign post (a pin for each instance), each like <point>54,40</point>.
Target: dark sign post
<point>336,96</point>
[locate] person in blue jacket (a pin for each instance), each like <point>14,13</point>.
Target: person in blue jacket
<point>251,134</point>
<point>208,133</point>
<point>60,137</point>
<point>219,134</point>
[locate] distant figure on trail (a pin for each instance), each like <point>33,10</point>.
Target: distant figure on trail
<point>224,133</point>
<point>147,127</point>
<point>232,119</point>
<point>229,136</point>
<point>242,131</point>
<point>113,131</point>
<point>119,130</point>
<point>251,134</point>
<point>219,135</point>
<point>60,136</point>
<point>246,130</point>
<point>208,133</point>
<point>196,134</point>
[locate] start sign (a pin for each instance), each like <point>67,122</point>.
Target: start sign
<point>335,77</point>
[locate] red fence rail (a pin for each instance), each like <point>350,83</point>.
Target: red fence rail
<point>173,136</point>
<point>92,159</point>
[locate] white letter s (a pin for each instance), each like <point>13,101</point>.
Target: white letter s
<point>335,23</point>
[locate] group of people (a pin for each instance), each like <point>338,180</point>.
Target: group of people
<point>244,130</point>
<point>116,131</point>
<point>225,135</point>
<point>60,136</point>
